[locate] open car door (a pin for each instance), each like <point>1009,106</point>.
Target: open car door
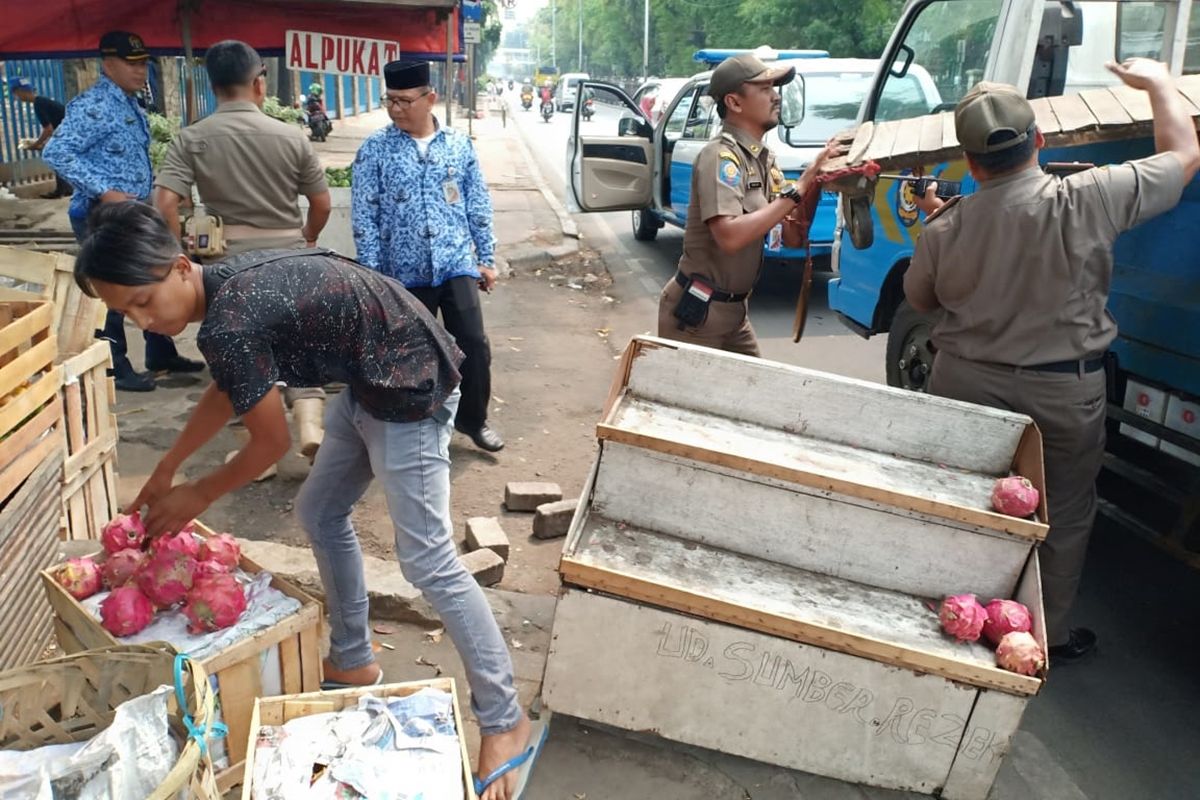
<point>609,156</point>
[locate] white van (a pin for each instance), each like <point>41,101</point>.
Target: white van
<point>568,86</point>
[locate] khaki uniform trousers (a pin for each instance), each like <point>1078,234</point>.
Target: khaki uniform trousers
<point>727,326</point>
<point>1069,409</point>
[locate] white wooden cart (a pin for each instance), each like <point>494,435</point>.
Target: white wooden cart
<point>755,561</point>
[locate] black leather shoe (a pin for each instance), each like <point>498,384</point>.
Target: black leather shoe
<point>135,382</point>
<point>176,363</point>
<point>1080,644</point>
<point>485,438</point>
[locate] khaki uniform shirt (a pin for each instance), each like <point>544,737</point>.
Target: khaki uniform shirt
<point>733,175</point>
<point>249,168</point>
<point>1022,267</point>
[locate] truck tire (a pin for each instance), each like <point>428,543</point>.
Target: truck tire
<point>856,212</point>
<point>910,353</point>
<point>645,225</point>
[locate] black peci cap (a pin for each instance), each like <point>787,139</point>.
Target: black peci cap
<point>406,74</point>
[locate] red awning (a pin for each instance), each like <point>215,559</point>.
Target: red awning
<point>72,28</point>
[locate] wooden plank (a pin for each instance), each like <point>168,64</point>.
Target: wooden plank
<point>92,453</point>
<point>1029,593</point>
<point>824,532</point>
<point>993,722</point>
<point>1189,87</point>
<point>310,658</point>
<point>18,408</point>
<point>862,140</point>
<point>25,436</point>
<point>238,686</point>
<point>29,363</point>
<point>289,665</point>
<point>865,621</point>
<point>1135,102</point>
<point>98,355</point>
<point>1107,110</point>
<point>1073,114</point>
<point>931,131</point>
<point>908,136</point>
<point>25,327</point>
<point>949,133</point>
<point>28,266</point>
<point>1047,120</point>
<point>20,469</point>
<point>75,440</point>
<point>752,695</point>
<point>882,140</point>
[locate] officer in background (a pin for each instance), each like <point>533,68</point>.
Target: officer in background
<point>103,149</point>
<point>49,114</point>
<point>1021,270</point>
<point>249,169</point>
<point>738,197</point>
<point>422,215</point>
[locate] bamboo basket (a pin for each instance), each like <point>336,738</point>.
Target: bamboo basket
<point>73,698</point>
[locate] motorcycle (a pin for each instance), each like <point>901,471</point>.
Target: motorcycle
<point>319,124</point>
<point>526,100</point>
<point>547,110</point>
<point>589,108</point>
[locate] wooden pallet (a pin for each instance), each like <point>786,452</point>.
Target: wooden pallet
<point>26,274</point>
<point>278,710</point>
<point>238,670</point>
<point>1094,115</point>
<point>89,472</point>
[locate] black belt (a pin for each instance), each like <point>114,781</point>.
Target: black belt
<point>1089,365</point>
<point>717,294</point>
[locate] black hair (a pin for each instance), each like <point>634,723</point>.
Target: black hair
<point>231,64</point>
<point>128,244</point>
<point>1006,160</point>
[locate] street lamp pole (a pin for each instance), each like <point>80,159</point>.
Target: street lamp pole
<point>580,67</point>
<point>554,32</point>
<point>646,41</point>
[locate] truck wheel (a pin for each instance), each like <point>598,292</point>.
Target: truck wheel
<point>645,225</point>
<point>857,212</point>
<point>910,352</point>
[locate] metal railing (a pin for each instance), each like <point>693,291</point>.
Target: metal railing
<point>17,120</point>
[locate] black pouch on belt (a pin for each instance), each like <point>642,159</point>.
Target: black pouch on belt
<point>692,308</point>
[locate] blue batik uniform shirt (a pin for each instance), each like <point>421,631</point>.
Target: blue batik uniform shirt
<point>421,220</point>
<point>103,144</point>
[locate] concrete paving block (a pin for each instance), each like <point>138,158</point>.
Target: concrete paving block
<point>486,533</point>
<point>485,565</point>
<point>528,495</point>
<point>552,520</point>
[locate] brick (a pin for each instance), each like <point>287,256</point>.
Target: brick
<point>552,520</point>
<point>485,566</point>
<point>528,495</point>
<point>486,533</point>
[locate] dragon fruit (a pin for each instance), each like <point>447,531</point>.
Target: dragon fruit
<point>126,611</point>
<point>121,567</point>
<point>1019,652</point>
<point>80,577</point>
<point>1015,496</point>
<point>166,577</point>
<point>209,568</point>
<point>962,617</point>
<point>222,548</point>
<point>123,532</point>
<point>1005,616</point>
<point>213,603</point>
<point>183,542</point>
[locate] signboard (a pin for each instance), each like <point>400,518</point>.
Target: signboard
<point>471,33</point>
<point>472,10</point>
<point>340,55</point>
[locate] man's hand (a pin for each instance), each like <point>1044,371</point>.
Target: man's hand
<point>113,196</point>
<point>1141,73</point>
<point>154,489</point>
<point>929,202</point>
<point>177,508</point>
<point>487,278</point>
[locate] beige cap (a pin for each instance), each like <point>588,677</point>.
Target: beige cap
<point>731,73</point>
<point>989,109</point>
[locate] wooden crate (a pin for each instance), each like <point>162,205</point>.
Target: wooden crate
<point>25,274</point>
<point>278,710</point>
<point>90,470</point>
<point>295,643</point>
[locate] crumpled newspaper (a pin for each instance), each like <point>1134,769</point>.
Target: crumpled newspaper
<point>126,761</point>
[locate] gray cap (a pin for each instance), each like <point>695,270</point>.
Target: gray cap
<point>731,73</point>
<point>990,109</point>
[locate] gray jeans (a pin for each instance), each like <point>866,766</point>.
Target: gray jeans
<point>412,460</point>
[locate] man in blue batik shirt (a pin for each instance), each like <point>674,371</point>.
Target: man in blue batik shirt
<point>102,148</point>
<point>422,215</point>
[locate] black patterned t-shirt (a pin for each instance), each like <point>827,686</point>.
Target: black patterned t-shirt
<point>308,320</point>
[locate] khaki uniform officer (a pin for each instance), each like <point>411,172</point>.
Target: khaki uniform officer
<point>249,170</point>
<point>1021,270</point>
<point>738,196</point>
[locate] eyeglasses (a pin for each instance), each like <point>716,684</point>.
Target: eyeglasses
<point>402,102</point>
<point>262,73</point>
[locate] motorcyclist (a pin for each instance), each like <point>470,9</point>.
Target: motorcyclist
<point>318,119</point>
<point>527,95</point>
<point>315,103</point>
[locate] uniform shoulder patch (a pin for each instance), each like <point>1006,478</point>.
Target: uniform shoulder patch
<point>729,154</point>
<point>729,172</point>
<point>953,201</point>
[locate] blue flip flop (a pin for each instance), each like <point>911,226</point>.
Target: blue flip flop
<point>523,762</point>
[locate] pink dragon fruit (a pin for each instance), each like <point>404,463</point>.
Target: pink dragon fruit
<point>126,611</point>
<point>1005,616</point>
<point>123,532</point>
<point>213,603</point>
<point>121,567</point>
<point>166,577</point>
<point>962,617</point>
<point>183,542</point>
<point>209,568</point>
<point>1019,652</point>
<point>80,577</point>
<point>1015,496</point>
<point>222,548</point>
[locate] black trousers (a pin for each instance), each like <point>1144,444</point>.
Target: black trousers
<point>462,315</point>
<point>158,347</point>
